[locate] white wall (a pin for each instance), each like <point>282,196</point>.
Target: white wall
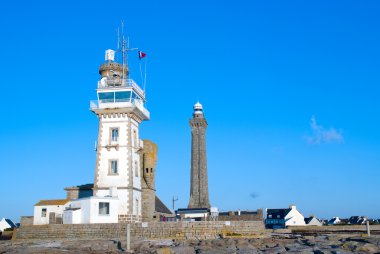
<point>3,225</point>
<point>126,165</point>
<point>39,220</point>
<point>294,218</point>
<point>72,216</point>
<point>314,222</point>
<point>89,211</point>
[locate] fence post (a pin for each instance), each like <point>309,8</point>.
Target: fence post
<point>368,229</point>
<point>128,236</point>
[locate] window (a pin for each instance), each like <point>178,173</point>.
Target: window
<point>43,212</point>
<point>104,208</point>
<point>114,134</point>
<point>113,167</point>
<point>122,96</point>
<point>106,97</point>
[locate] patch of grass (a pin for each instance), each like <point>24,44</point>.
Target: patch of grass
<point>233,234</point>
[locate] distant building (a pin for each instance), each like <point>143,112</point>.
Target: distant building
<point>192,214</point>
<point>357,220</point>
<point>334,221</point>
<point>6,223</point>
<point>241,215</point>
<point>282,218</point>
<point>313,221</point>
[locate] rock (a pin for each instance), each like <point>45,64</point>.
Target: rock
<point>275,250</point>
<point>368,248</point>
<point>165,250</point>
<point>182,250</point>
<point>351,246</point>
<point>142,247</point>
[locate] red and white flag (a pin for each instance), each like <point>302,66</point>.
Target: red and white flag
<point>141,55</point>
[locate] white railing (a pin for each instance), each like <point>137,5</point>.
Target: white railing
<point>108,82</point>
<point>94,104</point>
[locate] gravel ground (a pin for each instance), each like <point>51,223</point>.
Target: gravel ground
<point>324,244</point>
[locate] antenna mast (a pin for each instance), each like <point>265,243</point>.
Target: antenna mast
<point>123,52</point>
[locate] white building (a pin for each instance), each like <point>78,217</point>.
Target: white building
<point>120,110</point>
<point>49,211</point>
<point>281,218</point>
<point>313,221</point>
<point>117,192</point>
<point>6,223</point>
<point>92,210</point>
<point>192,214</point>
<point>294,217</point>
<point>334,221</point>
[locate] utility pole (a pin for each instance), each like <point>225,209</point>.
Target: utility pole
<point>174,200</point>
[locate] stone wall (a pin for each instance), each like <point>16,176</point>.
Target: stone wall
<point>349,229</point>
<point>26,221</point>
<point>151,230</point>
<point>244,216</point>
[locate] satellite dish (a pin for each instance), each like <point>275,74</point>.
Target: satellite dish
<point>110,55</point>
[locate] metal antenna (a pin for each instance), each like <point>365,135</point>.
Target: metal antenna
<point>123,53</point>
<point>118,39</point>
<point>174,200</point>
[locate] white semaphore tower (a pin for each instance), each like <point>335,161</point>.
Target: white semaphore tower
<point>120,110</point>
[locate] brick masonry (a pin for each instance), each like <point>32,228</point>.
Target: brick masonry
<point>151,230</point>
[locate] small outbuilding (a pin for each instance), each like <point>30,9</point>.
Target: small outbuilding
<point>49,211</point>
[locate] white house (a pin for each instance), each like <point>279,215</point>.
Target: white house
<point>313,221</point>
<point>49,211</point>
<point>6,223</point>
<point>294,217</point>
<point>92,210</point>
<point>334,221</point>
<point>281,218</point>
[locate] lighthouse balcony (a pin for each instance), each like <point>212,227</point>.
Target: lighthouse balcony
<point>118,82</point>
<point>132,103</point>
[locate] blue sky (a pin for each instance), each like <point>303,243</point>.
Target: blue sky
<point>289,89</point>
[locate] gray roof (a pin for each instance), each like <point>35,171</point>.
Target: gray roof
<point>10,223</point>
<point>161,207</point>
<point>278,213</point>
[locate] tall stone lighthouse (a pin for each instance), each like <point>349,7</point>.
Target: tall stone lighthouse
<point>199,197</point>
<point>120,110</point>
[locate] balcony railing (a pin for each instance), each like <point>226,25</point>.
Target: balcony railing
<point>95,104</point>
<point>117,82</point>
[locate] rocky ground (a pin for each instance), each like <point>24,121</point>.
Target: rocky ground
<point>331,244</point>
